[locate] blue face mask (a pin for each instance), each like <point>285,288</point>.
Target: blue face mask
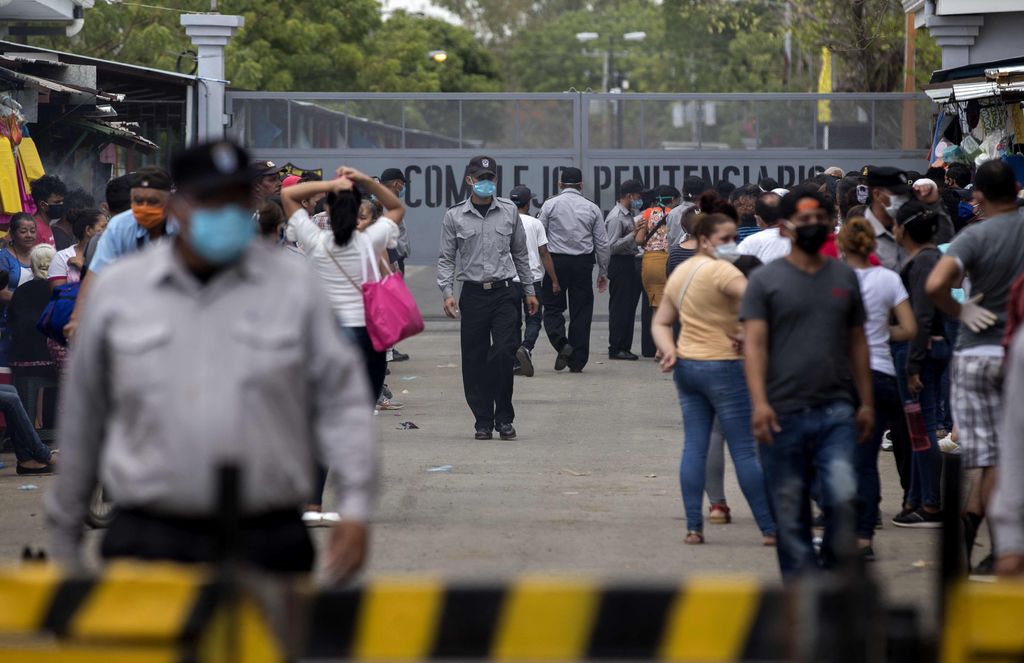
<point>636,205</point>
<point>221,235</point>
<point>485,188</point>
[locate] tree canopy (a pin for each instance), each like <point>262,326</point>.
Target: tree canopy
<point>525,45</point>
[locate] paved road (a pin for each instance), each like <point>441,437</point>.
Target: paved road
<point>591,486</point>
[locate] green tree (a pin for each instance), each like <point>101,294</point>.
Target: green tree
<point>304,46</point>
<point>397,58</point>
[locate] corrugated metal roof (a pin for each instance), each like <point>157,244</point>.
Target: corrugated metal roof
<point>74,58</point>
<point>56,86</point>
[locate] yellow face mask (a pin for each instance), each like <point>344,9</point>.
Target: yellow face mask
<point>148,216</point>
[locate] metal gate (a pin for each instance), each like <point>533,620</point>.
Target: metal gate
<point>659,138</point>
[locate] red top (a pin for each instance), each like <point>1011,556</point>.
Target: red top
<point>831,249</point>
<point>43,233</point>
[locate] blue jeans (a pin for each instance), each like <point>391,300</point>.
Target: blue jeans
<point>820,441</point>
<point>926,468</point>
<point>708,389</point>
<point>26,442</point>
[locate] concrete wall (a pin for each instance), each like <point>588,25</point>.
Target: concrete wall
<point>1001,37</point>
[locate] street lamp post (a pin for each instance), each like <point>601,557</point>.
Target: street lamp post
<point>610,76</point>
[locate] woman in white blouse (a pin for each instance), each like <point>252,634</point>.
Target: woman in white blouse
<point>343,257</point>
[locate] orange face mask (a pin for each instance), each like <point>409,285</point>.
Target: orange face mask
<point>148,216</point>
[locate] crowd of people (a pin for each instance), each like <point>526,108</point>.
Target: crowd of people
<point>806,329</point>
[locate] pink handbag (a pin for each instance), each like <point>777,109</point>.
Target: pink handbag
<point>391,311</point>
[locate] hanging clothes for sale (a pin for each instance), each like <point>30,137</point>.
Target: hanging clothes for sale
<point>19,160</point>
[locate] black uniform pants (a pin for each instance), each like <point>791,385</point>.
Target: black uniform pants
<point>490,337</point>
<point>624,289</point>
<point>647,347</point>
<point>576,277</point>
<point>275,542</point>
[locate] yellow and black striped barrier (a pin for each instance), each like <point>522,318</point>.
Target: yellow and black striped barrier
<point>984,623</point>
<point>168,613</point>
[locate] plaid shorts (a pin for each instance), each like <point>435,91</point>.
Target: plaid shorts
<point>977,400</point>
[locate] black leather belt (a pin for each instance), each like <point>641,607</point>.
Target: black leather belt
<point>490,285</point>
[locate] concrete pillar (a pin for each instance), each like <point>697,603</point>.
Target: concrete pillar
<point>210,33</point>
<point>955,35</point>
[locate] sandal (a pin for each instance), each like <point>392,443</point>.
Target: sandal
<point>694,538</point>
<point>719,515</point>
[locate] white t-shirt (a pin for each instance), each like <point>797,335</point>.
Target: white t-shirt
<point>766,245</point>
<point>346,299</point>
<point>536,237</point>
<point>881,290</point>
<point>60,269</point>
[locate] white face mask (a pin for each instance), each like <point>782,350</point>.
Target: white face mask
<point>727,251</point>
<point>895,203</point>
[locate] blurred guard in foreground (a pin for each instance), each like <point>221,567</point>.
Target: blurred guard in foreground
<point>213,349</point>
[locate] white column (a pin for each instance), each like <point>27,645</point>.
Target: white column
<point>210,33</point>
<point>955,35</point>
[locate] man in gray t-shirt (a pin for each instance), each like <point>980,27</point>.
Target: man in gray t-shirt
<point>990,254</point>
<point>807,364</point>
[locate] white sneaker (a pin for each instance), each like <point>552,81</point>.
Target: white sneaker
<point>330,517</point>
<point>887,441</point>
<point>948,446</point>
<point>313,519</point>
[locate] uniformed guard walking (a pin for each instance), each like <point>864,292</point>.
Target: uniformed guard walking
<point>576,238</point>
<point>486,234</point>
<point>626,285</point>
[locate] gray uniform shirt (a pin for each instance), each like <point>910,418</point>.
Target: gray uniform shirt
<point>170,378</point>
<point>889,252</point>
<point>575,227</point>
<point>619,227</point>
<point>489,248</point>
<point>404,247</point>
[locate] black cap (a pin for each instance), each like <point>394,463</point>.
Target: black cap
<point>666,191</point>
<point>886,177</point>
<point>212,165</point>
<point>265,167</point>
<point>571,175</point>
<point>151,177</point>
<point>391,175</point>
<point>630,186</point>
<point>521,195</point>
<point>482,166</point>
<point>694,186</point>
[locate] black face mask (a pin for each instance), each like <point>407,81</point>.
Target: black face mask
<point>811,238</point>
<point>54,211</point>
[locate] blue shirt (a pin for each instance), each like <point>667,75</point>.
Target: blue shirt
<point>123,236</point>
<point>10,264</point>
<point>744,232</point>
